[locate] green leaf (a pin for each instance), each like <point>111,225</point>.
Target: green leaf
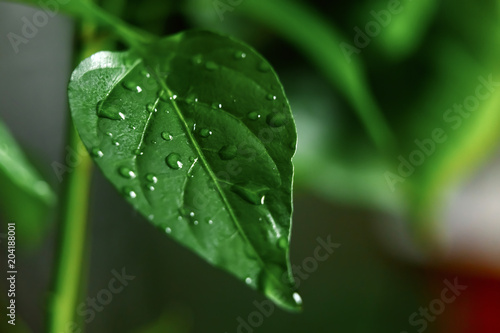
<point>25,197</point>
<point>196,132</point>
<point>15,167</point>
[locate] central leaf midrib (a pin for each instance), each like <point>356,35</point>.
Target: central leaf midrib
<point>211,174</point>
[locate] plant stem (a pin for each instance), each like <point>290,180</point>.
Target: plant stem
<point>72,239</point>
<point>70,270</point>
<point>92,13</point>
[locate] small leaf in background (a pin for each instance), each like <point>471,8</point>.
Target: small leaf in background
<point>25,198</point>
<point>196,133</point>
<point>15,166</point>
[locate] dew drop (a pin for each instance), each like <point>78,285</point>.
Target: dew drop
<point>168,230</point>
<point>151,188</point>
<point>145,73</point>
<point>153,142</point>
<point>126,172</point>
<point>132,86</point>
<point>239,55</point>
<point>191,99</point>
<point>205,133</point>
<point>151,178</point>
<point>166,136</point>
<point>129,192</point>
<point>264,67</point>
<point>109,134</point>
<point>282,243</point>
<point>270,97</point>
<point>151,107</point>
<point>138,152</point>
<point>216,106</point>
<point>195,222</point>
<point>197,59</point>
<point>96,152</point>
<point>276,119</point>
<point>116,143</point>
<point>248,280</point>
<point>174,161</point>
<point>110,111</point>
<point>228,152</point>
<point>192,159</point>
<point>297,298</point>
<point>191,214</point>
<point>253,115</point>
<point>252,193</point>
<point>162,94</point>
<point>211,66</point>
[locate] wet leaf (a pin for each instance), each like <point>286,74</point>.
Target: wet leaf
<point>196,133</point>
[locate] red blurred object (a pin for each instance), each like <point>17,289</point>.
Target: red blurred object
<point>476,310</point>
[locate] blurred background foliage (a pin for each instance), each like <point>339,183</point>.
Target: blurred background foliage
<point>355,116</point>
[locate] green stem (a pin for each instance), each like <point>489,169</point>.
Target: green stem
<point>133,36</point>
<point>72,239</point>
<point>70,265</point>
<point>92,13</point>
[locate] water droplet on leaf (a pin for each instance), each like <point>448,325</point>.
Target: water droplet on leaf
<point>96,152</point>
<point>132,86</point>
<point>126,172</point>
<point>282,243</point>
<point>276,120</point>
<point>110,111</point>
<point>129,192</point>
<point>197,59</point>
<point>150,107</point>
<point>297,298</point>
<point>204,132</point>
<point>211,66</point>
<point>253,115</point>
<point>151,178</point>
<point>264,67</point>
<point>228,152</point>
<point>239,55</point>
<point>162,94</point>
<point>252,193</point>
<point>174,161</point>
<point>166,136</point>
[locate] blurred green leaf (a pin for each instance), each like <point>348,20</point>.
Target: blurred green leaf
<point>25,197</point>
<point>321,42</point>
<point>196,133</point>
<point>15,166</point>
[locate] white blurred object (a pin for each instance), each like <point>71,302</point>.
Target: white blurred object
<point>471,218</point>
